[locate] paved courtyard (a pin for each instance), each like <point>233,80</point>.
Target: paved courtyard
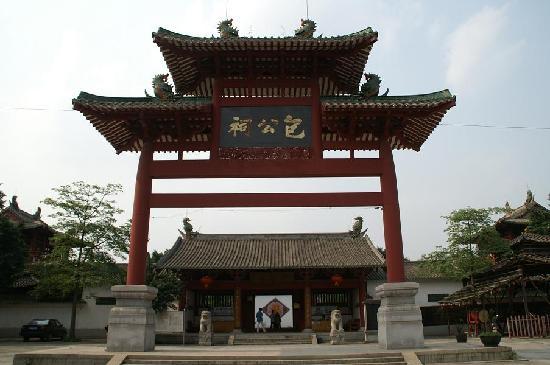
<point>537,351</point>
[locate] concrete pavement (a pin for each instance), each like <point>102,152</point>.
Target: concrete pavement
<point>535,350</point>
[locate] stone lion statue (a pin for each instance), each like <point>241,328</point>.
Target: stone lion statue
<point>336,328</point>
<point>205,322</point>
<point>205,329</point>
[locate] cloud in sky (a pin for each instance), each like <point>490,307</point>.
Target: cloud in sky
<point>55,49</point>
<point>478,49</point>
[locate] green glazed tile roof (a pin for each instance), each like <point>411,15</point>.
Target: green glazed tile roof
<point>191,59</point>
<point>101,111</point>
<point>401,101</point>
<point>108,103</point>
<point>270,43</point>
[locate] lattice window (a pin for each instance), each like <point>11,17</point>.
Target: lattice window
<point>338,299</point>
<point>214,300</point>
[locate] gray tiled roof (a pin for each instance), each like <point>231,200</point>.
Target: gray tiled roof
<point>413,272</point>
<point>531,238</point>
<point>271,251</point>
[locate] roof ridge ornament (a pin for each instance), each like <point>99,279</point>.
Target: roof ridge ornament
<point>529,198</point>
<point>13,202</point>
<point>161,87</point>
<point>507,207</point>
<point>227,30</point>
<point>306,30</point>
<point>371,87</point>
<point>356,230</point>
<point>188,232</point>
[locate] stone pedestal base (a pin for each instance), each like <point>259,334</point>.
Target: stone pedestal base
<point>337,337</point>
<point>399,318</point>
<point>132,320</point>
<point>205,338</point>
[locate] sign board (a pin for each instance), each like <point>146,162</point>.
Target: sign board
<point>265,126</point>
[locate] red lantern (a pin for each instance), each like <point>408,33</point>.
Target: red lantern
<point>206,281</point>
<point>336,279</point>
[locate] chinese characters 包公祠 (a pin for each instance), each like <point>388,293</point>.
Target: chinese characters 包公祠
<point>240,125</point>
<point>243,126</point>
<point>291,124</point>
<point>267,127</point>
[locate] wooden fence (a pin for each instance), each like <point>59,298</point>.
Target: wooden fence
<point>528,326</point>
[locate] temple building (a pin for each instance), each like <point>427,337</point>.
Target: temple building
<point>309,274</point>
<point>36,233</point>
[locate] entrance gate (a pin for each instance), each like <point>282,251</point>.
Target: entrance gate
<point>266,108</point>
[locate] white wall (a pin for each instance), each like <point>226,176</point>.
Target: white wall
<point>426,287</point>
<point>91,319</point>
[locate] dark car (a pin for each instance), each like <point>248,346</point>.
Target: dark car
<point>44,329</point>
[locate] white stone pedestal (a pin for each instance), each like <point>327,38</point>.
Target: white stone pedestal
<point>399,318</point>
<point>132,320</point>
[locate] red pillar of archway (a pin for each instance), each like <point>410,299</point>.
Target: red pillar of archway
<point>391,216</point>
<point>139,232</point>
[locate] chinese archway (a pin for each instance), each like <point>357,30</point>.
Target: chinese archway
<point>265,108</point>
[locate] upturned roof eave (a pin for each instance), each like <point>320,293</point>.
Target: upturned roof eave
<point>419,100</point>
<point>439,97</point>
<point>165,34</point>
<point>85,97</point>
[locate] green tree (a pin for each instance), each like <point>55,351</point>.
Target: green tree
<point>13,248</point>
<point>86,245</point>
<point>166,281</point>
<point>472,240</point>
<point>2,201</point>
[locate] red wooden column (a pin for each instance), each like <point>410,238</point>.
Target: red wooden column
<point>237,307</point>
<point>316,146</point>
<point>237,303</point>
<point>362,299</point>
<point>216,115</point>
<point>391,216</point>
<point>139,232</point>
<point>307,303</point>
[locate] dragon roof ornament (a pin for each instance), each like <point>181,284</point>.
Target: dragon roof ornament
<point>227,30</point>
<point>161,87</point>
<point>306,30</point>
<point>371,87</point>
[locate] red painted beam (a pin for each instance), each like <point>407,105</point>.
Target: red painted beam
<point>348,283</point>
<point>226,200</point>
<point>181,146</point>
<point>277,83</point>
<point>196,169</point>
<point>264,101</point>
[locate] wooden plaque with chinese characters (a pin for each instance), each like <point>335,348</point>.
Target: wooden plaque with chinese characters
<point>265,132</point>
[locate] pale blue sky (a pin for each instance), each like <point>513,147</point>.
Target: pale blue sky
<point>493,55</point>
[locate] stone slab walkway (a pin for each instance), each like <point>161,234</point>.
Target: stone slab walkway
<point>536,350</point>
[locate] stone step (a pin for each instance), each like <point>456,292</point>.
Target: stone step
<point>377,359</point>
<point>272,339</point>
<point>327,361</point>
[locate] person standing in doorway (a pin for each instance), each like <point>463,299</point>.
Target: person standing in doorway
<point>260,320</point>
